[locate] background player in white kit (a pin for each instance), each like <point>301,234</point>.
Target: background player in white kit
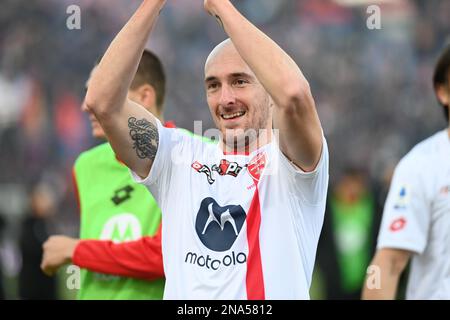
<point>230,230</point>
<point>416,218</point>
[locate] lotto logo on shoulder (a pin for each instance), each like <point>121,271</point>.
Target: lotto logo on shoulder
<point>398,224</point>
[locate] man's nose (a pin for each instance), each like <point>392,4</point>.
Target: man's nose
<point>227,96</point>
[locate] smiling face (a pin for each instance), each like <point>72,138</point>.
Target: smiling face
<point>238,102</point>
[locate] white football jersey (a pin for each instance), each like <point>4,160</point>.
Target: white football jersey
<point>417,216</point>
<point>235,226</point>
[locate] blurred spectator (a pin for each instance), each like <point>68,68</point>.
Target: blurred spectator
<point>69,126</point>
<point>33,284</point>
<point>2,226</point>
<point>348,236</point>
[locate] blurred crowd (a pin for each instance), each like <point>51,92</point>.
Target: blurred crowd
<point>372,88</point>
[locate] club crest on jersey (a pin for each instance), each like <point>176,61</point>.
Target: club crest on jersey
<point>256,166</point>
<point>224,168</point>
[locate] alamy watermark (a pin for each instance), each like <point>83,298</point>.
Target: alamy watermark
<point>374,20</point>
<point>73,21</point>
<point>373,279</point>
<point>73,280</point>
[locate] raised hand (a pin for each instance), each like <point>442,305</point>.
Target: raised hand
<point>211,7</point>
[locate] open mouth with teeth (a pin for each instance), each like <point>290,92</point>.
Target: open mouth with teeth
<point>234,115</point>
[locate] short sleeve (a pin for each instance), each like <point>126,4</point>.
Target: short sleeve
<point>406,215</point>
<point>310,187</point>
<point>159,175</point>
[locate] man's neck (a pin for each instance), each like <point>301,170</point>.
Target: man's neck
<point>245,149</point>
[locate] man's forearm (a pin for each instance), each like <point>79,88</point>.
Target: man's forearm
<point>110,82</point>
<point>384,273</point>
<point>273,67</point>
<point>386,289</point>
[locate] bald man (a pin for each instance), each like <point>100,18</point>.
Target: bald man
<point>241,219</point>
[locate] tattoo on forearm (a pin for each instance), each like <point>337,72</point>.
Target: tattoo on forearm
<point>145,137</point>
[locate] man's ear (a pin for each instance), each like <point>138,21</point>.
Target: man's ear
<point>443,94</point>
<point>147,96</point>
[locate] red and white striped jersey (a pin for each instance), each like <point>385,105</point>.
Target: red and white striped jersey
<point>236,226</point>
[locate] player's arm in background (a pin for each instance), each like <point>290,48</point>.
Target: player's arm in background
<point>295,114</point>
<point>137,259</point>
<point>130,129</point>
<point>404,229</point>
<point>140,259</point>
<point>384,274</point>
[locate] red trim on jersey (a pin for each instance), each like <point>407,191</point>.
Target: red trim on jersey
<point>140,259</point>
<point>254,278</point>
<point>170,124</point>
<point>75,189</point>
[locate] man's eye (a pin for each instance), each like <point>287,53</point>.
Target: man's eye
<point>212,86</point>
<point>240,82</point>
